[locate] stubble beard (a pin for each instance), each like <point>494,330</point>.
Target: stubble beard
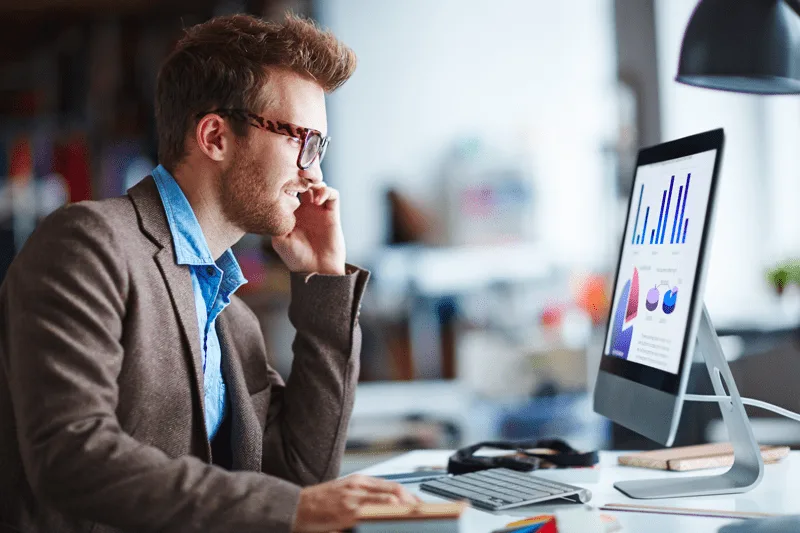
<point>247,201</point>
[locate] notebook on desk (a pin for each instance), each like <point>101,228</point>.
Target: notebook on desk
<point>422,518</point>
<point>698,457</point>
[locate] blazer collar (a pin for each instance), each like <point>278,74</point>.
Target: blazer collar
<point>152,218</point>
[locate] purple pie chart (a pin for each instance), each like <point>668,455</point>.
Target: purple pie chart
<point>652,299</point>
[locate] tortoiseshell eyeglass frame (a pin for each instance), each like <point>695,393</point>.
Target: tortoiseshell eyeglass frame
<point>298,133</point>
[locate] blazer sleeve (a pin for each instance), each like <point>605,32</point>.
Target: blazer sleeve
<point>66,296</point>
<point>307,420</point>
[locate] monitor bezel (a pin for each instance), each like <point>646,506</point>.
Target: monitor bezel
<point>652,377</point>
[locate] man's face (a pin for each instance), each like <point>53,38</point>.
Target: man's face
<point>259,188</point>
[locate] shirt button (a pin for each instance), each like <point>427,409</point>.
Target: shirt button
<point>211,270</point>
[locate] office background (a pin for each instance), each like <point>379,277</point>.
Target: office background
<point>484,152</point>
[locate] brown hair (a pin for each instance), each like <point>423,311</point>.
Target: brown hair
<point>222,63</point>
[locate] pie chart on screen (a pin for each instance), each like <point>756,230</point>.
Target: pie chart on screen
<point>670,299</point>
<point>653,296</point>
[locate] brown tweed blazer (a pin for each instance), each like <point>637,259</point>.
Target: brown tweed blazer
<point>101,411</point>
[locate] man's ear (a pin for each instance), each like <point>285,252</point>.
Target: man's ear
<point>212,135</point>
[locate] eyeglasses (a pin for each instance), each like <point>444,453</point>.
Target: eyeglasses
<point>312,143</point>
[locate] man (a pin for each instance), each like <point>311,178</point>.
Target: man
<point>129,400</point>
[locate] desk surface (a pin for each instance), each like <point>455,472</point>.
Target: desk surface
<point>777,493</point>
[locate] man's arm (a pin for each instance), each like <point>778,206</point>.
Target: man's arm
<point>307,420</point>
<point>66,299</point>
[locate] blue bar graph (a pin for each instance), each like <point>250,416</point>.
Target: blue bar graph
<point>661,216</point>
<point>636,223</point>
<point>685,196</point>
<point>666,212</point>
<point>675,221</point>
<point>680,224</point>
<point>644,229</point>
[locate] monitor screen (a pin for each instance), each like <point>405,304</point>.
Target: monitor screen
<point>659,262</point>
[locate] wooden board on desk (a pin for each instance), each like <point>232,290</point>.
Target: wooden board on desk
<point>698,457</point>
<point>421,511</point>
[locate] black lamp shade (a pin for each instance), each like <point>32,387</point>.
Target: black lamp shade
<point>745,46</point>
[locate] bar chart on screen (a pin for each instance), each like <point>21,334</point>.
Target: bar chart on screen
<point>672,225</point>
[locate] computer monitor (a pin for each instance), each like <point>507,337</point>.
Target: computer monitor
<point>657,316</point>
<point>658,290</point>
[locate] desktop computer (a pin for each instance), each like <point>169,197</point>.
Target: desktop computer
<point>657,315</point>
<point>656,319</point>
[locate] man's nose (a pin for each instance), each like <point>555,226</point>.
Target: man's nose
<point>312,174</point>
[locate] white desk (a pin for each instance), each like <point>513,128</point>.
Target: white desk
<point>779,492</point>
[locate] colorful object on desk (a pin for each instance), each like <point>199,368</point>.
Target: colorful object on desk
<point>537,524</point>
<point>549,523</point>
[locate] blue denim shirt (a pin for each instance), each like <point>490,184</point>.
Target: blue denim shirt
<point>213,284</point>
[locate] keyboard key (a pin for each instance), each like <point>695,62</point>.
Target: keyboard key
<point>529,480</point>
<point>507,493</point>
<point>539,481</point>
<point>452,491</point>
<point>506,496</point>
<point>522,487</point>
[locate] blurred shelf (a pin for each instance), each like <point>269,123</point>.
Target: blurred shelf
<point>432,271</point>
<point>568,416</point>
<point>98,7</point>
<point>440,399</point>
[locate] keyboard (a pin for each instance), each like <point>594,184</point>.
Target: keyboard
<point>501,488</point>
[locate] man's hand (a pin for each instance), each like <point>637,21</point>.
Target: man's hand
<point>333,506</point>
<point>316,244</point>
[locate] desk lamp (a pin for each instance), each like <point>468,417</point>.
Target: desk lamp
<point>743,46</point>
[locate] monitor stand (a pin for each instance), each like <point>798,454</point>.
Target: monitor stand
<point>748,466</point>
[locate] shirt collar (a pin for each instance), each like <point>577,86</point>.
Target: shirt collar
<point>191,247</point>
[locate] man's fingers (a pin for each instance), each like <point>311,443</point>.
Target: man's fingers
<point>381,499</point>
<point>393,488</point>
<point>372,483</point>
<point>307,197</point>
<point>332,199</point>
<point>377,485</point>
<point>321,195</point>
<point>317,187</point>
<point>358,497</point>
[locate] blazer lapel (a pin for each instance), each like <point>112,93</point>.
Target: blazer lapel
<point>246,432</point>
<point>179,285</point>
<point>178,280</point>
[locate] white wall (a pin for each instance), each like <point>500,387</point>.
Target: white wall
<point>433,70</point>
